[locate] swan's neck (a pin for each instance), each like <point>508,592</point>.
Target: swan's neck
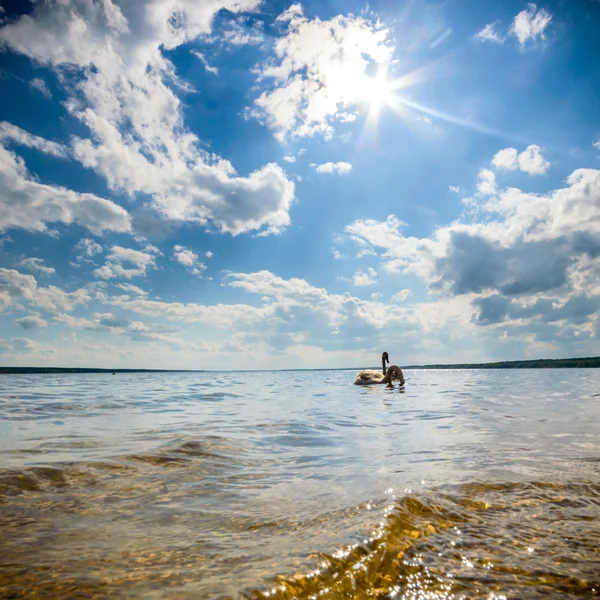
<point>383,364</point>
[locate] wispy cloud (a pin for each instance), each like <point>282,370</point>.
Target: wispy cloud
<point>489,33</point>
<point>37,265</point>
<point>205,62</point>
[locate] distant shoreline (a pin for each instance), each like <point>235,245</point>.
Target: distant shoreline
<point>558,363</point>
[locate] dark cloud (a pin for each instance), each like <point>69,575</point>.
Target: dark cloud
<point>496,309</point>
<point>111,321</point>
<point>473,264</point>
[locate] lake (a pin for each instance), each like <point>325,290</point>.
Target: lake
<point>464,484</point>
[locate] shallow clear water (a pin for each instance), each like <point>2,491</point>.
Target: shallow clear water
<point>467,483</point>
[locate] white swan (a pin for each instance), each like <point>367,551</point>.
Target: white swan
<point>371,377</point>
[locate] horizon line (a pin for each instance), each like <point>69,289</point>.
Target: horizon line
<point>464,365</point>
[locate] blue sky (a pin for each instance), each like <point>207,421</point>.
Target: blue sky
<point>247,184</point>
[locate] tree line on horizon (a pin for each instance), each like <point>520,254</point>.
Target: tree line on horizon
<point>541,363</point>
<point>550,363</point>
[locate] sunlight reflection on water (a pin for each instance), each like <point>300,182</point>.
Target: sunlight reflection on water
<point>199,484</point>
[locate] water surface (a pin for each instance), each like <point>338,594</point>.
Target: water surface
<point>466,484</point>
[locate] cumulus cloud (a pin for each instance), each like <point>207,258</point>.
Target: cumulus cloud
<point>290,159</point>
<point>401,296</point>
<point>189,260</point>
<point>30,205</point>
<point>88,248</point>
<point>530,23</point>
<point>320,71</point>
<point>292,310</point>
<point>18,344</point>
<point>529,256</point>
<point>37,264</point>
<point>130,83</point>
<point>489,33</point>
<point>529,161</point>
<point>119,325</point>
<point>342,168</point>
<point>31,322</point>
<point>17,288</point>
<point>361,278</point>
<point>137,263</point>
<point>486,185</point>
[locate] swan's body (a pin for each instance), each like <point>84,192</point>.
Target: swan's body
<point>372,377</point>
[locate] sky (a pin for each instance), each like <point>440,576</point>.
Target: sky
<point>247,184</point>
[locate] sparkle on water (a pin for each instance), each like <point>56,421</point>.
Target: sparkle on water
<point>466,484</point>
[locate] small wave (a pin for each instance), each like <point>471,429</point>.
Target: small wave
<point>475,541</point>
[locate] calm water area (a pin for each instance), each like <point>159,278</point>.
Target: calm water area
<point>464,484</point>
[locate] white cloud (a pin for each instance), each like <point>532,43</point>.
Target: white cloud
<point>88,247</point>
<point>531,261</point>
<point>221,316</point>
<point>205,62</point>
<point>294,11</point>
<point>209,254</point>
<point>596,144</point>
<point>506,159</point>
<point>31,322</point>
<point>12,133</point>
<point>189,260</point>
<point>30,205</point>
<point>19,344</point>
<point>290,159</point>
<point>347,117</point>
<point>17,288</point>
<point>529,161</point>
<point>360,278</point>
<point>40,85</point>
<point>401,296</point>
<point>454,188</point>
<point>37,264</point>
<point>131,83</point>
<point>119,256</point>
<point>238,35</point>
<point>320,72</point>
<point>131,289</point>
<point>134,330</point>
<point>530,23</point>
<point>489,34</point>
<point>290,307</point>
<point>343,168</point>
<point>486,186</point>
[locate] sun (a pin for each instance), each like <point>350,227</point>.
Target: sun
<point>377,91</point>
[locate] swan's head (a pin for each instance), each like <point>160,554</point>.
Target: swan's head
<point>385,357</point>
